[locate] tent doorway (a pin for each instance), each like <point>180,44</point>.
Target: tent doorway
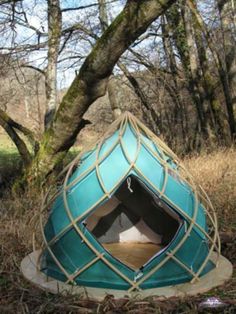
<point>134,225</point>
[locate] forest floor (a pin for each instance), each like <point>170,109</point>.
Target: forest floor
<point>216,172</point>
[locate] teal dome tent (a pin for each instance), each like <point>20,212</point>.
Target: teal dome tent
<point>129,217</point>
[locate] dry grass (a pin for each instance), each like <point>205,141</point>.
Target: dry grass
<point>215,172</point>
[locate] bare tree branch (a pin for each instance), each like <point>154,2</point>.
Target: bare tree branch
<point>13,124</point>
<point>33,68</point>
<point>82,7</point>
<point>21,146</point>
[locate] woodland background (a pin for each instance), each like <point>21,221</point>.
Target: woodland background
<point>68,69</point>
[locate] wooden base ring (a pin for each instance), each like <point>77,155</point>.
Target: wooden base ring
<point>218,276</point>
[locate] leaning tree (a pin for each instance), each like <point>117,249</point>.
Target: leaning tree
<point>64,124</point>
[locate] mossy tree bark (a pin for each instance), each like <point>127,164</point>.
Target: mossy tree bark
<point>91,83</point>
<point>179,24</point>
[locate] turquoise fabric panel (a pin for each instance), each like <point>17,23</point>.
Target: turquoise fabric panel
<point>108,145</point>
<point>191,203</point>
<point>91,238</point>
<point>113,168</point>
<point>49,267</point>
<point>84,195</point>
<point>209,266</point>
<point>179,195</point>
<point>160,257</point>
<point>101,276</point>
<point>126,270</point>
<point>72,252</point>
<point>193,244</point>
<point>169,274</point>
<point>49,230</point>
<point>58,219</point>
<point>201,253</point>
<point>57,203</point>
<point>130,143</point>
<point>86,162</point>
<point>151,145</point>
<point>150,168</point>
<point>83,218</point>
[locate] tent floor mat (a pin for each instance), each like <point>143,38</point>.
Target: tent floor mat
<point>216,277</point>
<point>134,255</point>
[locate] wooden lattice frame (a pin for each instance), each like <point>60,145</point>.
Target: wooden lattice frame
<point>199,196</point>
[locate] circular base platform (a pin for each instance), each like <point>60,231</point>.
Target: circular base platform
<point>214,278</point>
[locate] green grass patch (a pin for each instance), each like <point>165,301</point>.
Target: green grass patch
<point>10,161</point>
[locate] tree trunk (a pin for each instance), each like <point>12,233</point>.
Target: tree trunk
<point>227,17</point>
<point>113,93</point>
<point>168,49</point>
<point>221,67</point>
<point>91,83</point>
<point>182,34</point>
<point>54,35</point>
<point>195,73</point>
<point>172,66</point>
<point>209,85</point>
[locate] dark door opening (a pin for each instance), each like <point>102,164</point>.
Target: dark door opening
<point>134,225</point>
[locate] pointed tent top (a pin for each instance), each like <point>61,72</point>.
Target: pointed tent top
<point>128,118</point>
<point>117,135</point>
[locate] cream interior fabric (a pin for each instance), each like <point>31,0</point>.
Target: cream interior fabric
<point>103,210</point>
<point>140,233</point>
